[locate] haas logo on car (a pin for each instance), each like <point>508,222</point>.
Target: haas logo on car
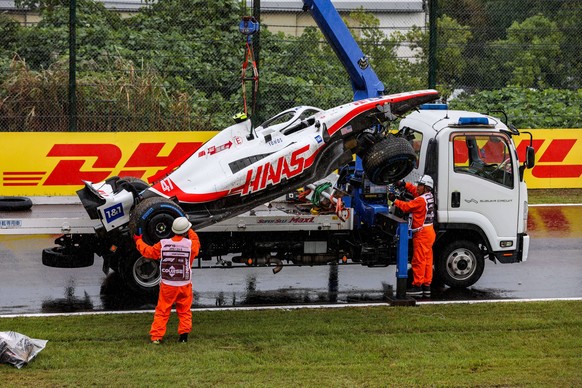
<point>272,173</point>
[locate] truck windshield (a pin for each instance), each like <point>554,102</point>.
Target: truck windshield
<point>484,155</point>
<point>415,139</point>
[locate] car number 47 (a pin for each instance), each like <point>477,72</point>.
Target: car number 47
<point>166,184</point>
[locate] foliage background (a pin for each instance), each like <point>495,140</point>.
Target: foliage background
<point>176,64</point>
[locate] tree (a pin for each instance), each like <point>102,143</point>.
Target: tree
<point>9,30</point>
<point>527,107</point>
<point>490,21</point>
<point>300,70</point>
<point>451,41</point>
<point>568,18</point>
<point>533,52</point>
<point>382,51</point>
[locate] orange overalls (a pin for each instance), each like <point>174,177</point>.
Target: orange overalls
<point>422,210</point>
<point>176,256</point>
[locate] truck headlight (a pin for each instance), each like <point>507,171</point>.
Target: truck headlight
<point>506,244</point>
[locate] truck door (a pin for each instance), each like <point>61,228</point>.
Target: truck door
<point>483,184</point>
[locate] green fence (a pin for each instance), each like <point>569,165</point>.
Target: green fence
<point>176,64</point>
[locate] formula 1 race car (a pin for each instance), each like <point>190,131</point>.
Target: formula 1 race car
<point>242,167</point>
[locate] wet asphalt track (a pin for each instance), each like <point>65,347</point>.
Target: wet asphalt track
<point>553,270</point>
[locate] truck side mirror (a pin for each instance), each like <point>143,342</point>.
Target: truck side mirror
<point>530,157</point>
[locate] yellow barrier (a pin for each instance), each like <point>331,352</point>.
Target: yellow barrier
<point>39,164</point>
<point>49,163</point>
<point>558,158</point>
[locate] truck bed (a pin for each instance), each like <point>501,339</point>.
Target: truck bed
<point>72,218</point>
<point>47,219</point>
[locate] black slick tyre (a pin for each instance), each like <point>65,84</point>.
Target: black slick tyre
<point>15,203</point>
<point>152,218</point>
<point>62,257</point>
<point>136,185</point>
<point>389,160</point>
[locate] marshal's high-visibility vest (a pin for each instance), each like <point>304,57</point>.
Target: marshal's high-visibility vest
<point>175,263</point>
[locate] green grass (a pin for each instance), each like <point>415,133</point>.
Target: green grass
<point>503,344</point>
<point>550,196</point>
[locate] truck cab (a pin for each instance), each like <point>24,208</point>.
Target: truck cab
<point>480,193</point>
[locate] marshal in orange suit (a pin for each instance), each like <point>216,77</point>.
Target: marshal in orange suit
<point>176,256</point>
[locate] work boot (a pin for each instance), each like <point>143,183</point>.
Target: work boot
<point>414,290</point>
<point>183,337</point>
<point>426,289</point>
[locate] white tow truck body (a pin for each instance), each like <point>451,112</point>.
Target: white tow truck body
<point>479,189</point>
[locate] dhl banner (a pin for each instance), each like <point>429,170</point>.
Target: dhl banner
<point>51,163</point>
<point>558,158</point>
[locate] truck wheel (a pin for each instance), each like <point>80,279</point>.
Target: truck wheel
<point>152,218</point>
<point>62,257</point>
<point>460,264</point>
<point>15,203</point>
<point>140,274</point>
<point>389,160</point>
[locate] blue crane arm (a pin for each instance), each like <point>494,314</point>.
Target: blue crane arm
<point>365,82</point>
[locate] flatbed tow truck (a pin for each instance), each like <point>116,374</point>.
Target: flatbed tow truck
<point>263,219</point>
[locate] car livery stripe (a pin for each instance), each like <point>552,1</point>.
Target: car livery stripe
<point>367,104</point>
<point>171,190</point>
<point>182,196</point>
<point>306,165</point>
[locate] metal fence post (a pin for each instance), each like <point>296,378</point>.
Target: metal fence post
<point>72,65</point>
<point>432,43</point>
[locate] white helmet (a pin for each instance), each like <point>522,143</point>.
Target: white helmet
<point>181,225</point>
<point>426,180</point>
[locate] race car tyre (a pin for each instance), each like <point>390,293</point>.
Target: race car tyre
<point>140,274</point>
<point>459,264</point>
<point>152,219</point>
<point>63,257</point>
<point>138,184</point>
<point>15,203</point>
<point>389,160</point>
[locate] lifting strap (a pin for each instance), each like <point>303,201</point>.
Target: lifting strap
<point>248,26</point>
